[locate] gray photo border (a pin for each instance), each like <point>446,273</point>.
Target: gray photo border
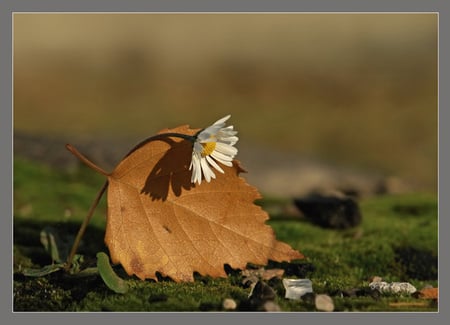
<point>8,7</point>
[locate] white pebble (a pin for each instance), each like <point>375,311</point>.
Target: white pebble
<point>296,288</point>
<point>324,303</point>
<point>393,287</point>
<point>229,304</point>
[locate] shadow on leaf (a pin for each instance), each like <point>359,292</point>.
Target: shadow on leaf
<point>171,172</point>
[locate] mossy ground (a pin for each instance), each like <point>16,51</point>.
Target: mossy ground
<point>397,241</point>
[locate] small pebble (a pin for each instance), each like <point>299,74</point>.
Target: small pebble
<point>271,306</point>
<point>393,287</point>
<point>229,304</point>
<point>295,288</point>
<point>376,279</point>
<point>324,303</point>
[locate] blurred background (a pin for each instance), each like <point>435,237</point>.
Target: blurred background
<point>344,101</point>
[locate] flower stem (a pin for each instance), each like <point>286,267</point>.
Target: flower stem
<point>161,137</point>
<point>176,135</point>
<point>83,227</point>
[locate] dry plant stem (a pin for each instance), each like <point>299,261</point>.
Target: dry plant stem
<point>84,225</point>
<point>89,163</point>
<point>86,220</point>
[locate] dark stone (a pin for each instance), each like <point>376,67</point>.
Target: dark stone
<point>337,212</point>
<point>261,293</point>
<point>309,298</point>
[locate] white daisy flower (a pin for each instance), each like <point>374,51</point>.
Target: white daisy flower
<point>213,144</point>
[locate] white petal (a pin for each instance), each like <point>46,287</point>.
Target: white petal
<point>228,131</point>
<point>194,157</point>
<point>226,149</point>
<point>231,140</point>
<point>225,160</point>
<point>214,164</point>
<point>222,120</point>
<point>222,135</point>
<point>207,171</point>
<point>218,155</point>
<point>196,171</point>
<point>216,131</point>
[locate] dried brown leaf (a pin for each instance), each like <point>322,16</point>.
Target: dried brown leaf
<point>158,221</point>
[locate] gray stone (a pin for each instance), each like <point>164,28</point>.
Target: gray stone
<point>296,288</point>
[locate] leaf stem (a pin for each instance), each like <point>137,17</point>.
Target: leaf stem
<point>89,163</point>
<point>84,225</point>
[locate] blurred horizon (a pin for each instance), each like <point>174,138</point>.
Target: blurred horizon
<point>353,89</point>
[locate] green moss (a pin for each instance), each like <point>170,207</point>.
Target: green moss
<point>164,296</point>
<point>39,294</point>
<point>397,240</point>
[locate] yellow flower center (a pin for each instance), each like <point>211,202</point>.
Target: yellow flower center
<point>208,148</point>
